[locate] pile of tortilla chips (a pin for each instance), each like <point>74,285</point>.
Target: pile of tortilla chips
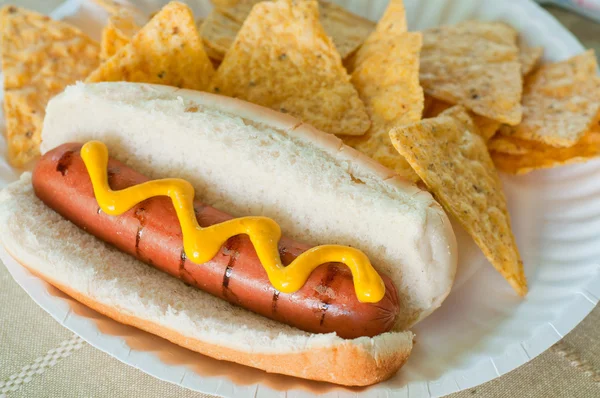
<point>298,70</point>
<point>221,26</point>
<point>445,107</point>
<point>39,58</point>
<point>561,110</point>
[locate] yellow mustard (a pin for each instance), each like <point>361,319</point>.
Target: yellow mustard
<point>202,244</point>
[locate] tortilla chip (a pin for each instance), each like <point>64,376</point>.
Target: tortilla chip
<point>168,50</point>
<point>388,83</point>
<point>516,156</point>
<point>117,33</point>
<point>393,20</point>
<point>486,127</point>
<point>347,30</point>
<point>124,7</point>
<point>560,101</point>
<point>236,10</point>
<point>511,145</point>
<point>296,71</point>
<point>428,102</point>
<point>387,79</point>
<point>529,57</point>
<point>210,52</point>
<point>474,64</point>
<point>218,33</point>
<point>454,163</point>
<point>40,57</point>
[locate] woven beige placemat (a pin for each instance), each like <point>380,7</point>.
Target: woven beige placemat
<point>40,358</point>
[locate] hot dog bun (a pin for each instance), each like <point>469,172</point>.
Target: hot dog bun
<point>245,160</point>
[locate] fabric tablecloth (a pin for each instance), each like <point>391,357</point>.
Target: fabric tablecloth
<point>40,358</point>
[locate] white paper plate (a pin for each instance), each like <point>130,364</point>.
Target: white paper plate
<point>482,331</point>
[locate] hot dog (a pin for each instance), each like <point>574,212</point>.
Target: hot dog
<point>151,232</point>
<point>243,161</point>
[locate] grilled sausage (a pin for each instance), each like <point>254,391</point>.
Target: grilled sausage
<point>151,232</point>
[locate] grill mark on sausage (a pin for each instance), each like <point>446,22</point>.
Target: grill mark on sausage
<point>64,162</point>
<point>140,215</point>
<point>285,256</point>
<point>332,271</point>
<point>324,308</point>
<point>185,276</point>
<point>227,275</point>
<point>274,301</point>
<point>230,246</point>
<point>182,259</point>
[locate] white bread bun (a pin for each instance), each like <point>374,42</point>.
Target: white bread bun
<point>248,160</point>
<point>121,287</point>
<point>245,160</point>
